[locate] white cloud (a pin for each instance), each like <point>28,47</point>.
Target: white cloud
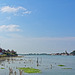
<point>10,28</point>
<point>27,12</point>
<point>38,45</point>
<point>56,38</point>
<point>15,10</point>
<point>9,9</point>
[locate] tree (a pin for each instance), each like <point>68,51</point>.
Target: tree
<point>73,52</point>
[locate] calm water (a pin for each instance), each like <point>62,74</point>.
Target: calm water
<point>47,64</point>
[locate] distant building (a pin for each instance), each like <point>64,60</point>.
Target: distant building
<point>1,51</point>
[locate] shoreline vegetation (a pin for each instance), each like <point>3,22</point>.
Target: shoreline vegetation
<point>12,53</point>
<point>64,53</point>
<point>7,53</point>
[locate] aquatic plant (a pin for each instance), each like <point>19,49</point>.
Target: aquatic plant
<point>66,68</point>
<point>61,65</point>
<point>2,68</point>
<point>30,70</point>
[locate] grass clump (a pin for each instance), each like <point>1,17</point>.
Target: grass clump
<point>30,70</point>
<point>2,68</point>
<point>61,65</point>
<point>66,68</point>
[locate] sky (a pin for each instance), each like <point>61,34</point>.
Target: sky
<point>37,26</point>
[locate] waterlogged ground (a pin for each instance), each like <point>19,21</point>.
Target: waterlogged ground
<point>48,65</point>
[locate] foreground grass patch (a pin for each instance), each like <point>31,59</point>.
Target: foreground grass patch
<point>30,70</point>
<point>61,65</point>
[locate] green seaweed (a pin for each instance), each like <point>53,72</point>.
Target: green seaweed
<point>66,68</point>
<point>2,68</point>
<point>30,70</point>
<point>61,65</point>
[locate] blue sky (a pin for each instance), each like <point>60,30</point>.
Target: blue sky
<point>37,26</point>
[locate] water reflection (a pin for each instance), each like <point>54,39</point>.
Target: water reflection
<point>2,59</point>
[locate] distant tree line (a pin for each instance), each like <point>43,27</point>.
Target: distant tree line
<point>73,52</point>
<point>8,52</point>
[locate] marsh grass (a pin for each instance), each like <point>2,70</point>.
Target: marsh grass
<point>2,68</point>
<point>66,68</point>
<point>30,70</point>
<point>61,65</point>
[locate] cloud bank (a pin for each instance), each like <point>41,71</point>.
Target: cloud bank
<point>10,28</point>
<point>38,45</point>
<point>15,10</point>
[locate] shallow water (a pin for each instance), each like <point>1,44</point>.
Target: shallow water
<point>46,63</point>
